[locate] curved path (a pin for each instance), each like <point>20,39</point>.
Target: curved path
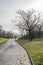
<point>13,54</point>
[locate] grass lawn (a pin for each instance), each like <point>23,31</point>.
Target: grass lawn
<point>2,41</point>
<point>35,48</point>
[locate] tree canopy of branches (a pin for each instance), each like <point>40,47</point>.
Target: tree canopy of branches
<point>28,21</point>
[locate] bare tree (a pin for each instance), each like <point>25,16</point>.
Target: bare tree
<point>1,30</point>
<point>27,21</point>
<point>39,25</point>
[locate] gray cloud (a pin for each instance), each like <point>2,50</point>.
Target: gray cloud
<point>8,8</point>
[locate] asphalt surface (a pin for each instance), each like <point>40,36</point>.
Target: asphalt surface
<point>13,54</point>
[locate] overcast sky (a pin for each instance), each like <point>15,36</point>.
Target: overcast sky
<point>9,7</point>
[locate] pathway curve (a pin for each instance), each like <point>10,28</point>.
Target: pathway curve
<point>13,54</point>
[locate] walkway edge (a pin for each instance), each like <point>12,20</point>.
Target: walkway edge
<point>29,56</point>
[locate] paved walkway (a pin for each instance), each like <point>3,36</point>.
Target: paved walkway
<point>13,54</point>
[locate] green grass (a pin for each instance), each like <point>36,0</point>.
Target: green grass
<point>2,41</point>
<point>35,48</point>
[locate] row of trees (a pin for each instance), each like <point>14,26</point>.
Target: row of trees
<point>6,34</point>
<point>30,21</point>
